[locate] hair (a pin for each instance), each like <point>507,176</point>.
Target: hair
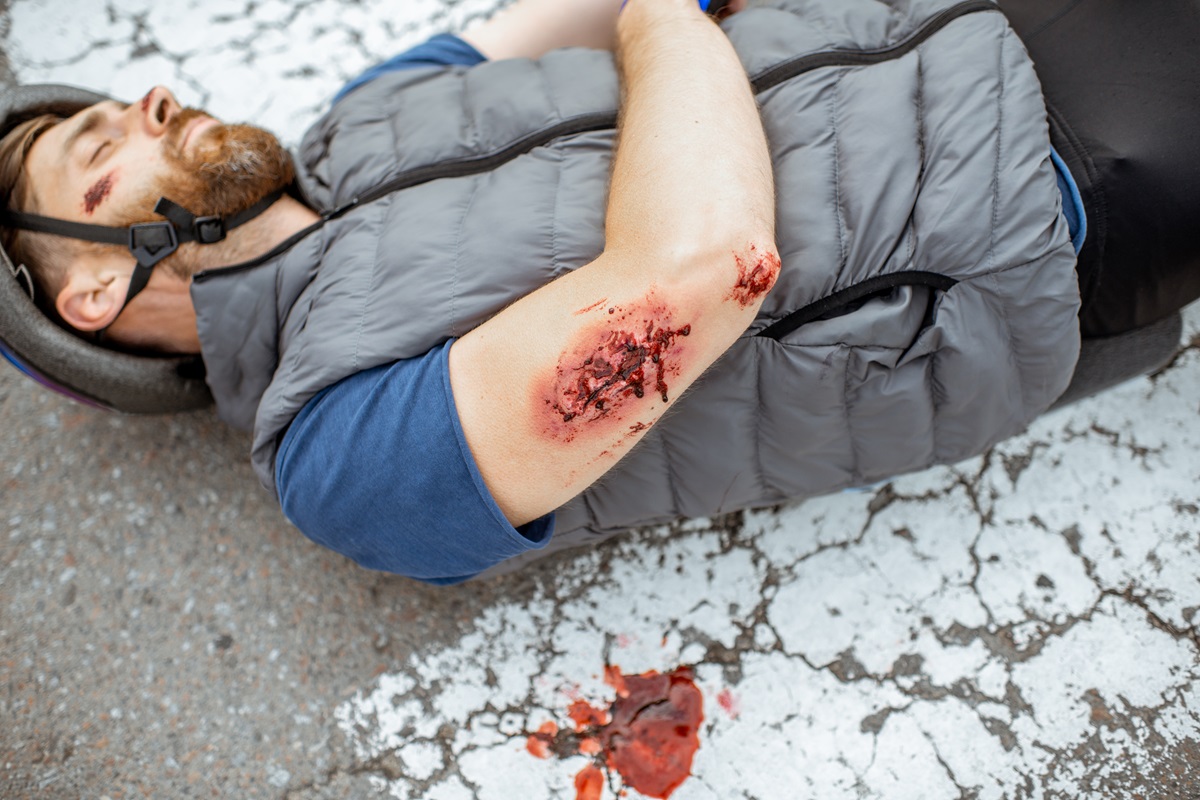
<point>46,256</point>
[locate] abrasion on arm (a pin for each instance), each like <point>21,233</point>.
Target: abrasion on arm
<point>689,229</point>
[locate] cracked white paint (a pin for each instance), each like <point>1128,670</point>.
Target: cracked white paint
<point>997,673</point>
<point>961,632</point>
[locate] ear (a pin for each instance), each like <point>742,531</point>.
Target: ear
<point>92,297</point>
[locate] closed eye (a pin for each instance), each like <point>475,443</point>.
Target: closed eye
<point>96,152</point>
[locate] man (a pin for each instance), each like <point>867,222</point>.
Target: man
<point>464,347</point>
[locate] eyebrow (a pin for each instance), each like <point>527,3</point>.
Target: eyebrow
<point>89,123</point>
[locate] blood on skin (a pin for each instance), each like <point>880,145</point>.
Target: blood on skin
<point>146,102</point>
<point>593,307</point>
<point>757,273</point>
<point>632,351</point>
<point>616,369</point>
<point>101,189</point>
<point>649,735</point>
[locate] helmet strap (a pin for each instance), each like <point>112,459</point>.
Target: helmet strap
<point>148,242</point>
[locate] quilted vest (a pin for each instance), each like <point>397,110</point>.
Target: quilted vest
<point>926,307</point>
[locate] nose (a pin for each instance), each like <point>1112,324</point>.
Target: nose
<point>155,110</point>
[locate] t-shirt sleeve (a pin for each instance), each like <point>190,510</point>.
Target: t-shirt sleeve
<point>443,50</point>
<point>377,468</point>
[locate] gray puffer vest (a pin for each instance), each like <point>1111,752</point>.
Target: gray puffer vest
<point>926,307</point>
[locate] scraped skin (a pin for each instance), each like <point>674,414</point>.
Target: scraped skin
<point>557,388</point>
<point>98,193</point>
<point>626,355</point>
<point>592,307</point>
<point>109,164</point>
<point>757,273</point>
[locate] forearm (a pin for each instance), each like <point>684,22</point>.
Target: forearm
<point>531,28</point>
<point>556,388</point>
<point>692,162</point>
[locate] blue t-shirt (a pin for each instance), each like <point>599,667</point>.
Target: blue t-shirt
<point>443,50</point>
<point>376,467</point>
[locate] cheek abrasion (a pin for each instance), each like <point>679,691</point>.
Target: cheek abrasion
<point>96,195</point>
<point>622,356</point>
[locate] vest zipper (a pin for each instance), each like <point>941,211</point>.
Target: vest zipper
<point>598,121</point>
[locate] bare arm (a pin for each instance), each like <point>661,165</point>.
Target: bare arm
<point>531,28</point>
<point>553,391</point>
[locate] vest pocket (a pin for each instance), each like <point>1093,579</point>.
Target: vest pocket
<point>853,298</point>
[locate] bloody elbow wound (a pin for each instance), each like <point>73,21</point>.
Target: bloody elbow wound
<point>757,271</point>
<point>627,354</point>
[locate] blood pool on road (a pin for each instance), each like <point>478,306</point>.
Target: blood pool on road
<point>649,735</point>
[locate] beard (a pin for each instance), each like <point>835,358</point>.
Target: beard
<point>228,169</point>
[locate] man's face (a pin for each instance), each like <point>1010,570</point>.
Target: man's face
<point>109,164</point>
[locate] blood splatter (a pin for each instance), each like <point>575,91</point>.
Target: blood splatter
<point>539,743</point>
<point>589,783</point>
<point>101,189</point>
<point>649,735</point>
<point>756,275</point>
<point>654,733</point>
<point>729,702</point>
<point>614,678</point>
<point>584,715</point>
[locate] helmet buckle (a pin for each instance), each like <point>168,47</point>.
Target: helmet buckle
<point>209,230</point>
<point>151,242</point>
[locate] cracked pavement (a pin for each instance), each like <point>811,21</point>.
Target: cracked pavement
<point>1021,625</point>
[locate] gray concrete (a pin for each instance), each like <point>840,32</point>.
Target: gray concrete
<point>1023,625</point>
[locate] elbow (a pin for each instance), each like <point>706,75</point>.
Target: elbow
<point>755,269</point>
<point>739,268</point>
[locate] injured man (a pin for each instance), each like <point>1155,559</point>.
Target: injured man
<point>598,265</point>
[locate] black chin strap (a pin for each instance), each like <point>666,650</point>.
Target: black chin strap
<point>148,242</point>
